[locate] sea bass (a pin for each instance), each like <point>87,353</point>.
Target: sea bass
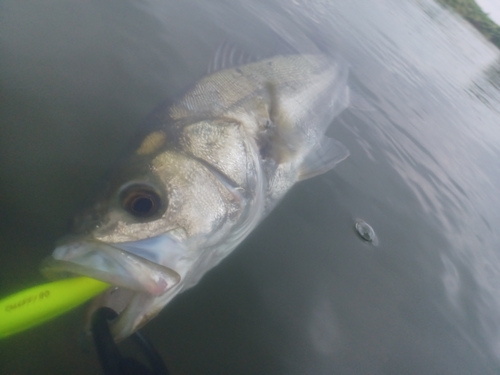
<point>214,164</point>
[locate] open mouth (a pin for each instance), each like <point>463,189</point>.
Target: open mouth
<point>138,286</point>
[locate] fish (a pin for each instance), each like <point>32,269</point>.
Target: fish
<point>208,168</point>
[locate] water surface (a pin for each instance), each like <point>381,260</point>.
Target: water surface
<point>304,294</point>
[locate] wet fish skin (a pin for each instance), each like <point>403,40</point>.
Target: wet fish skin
<point>218,161</point>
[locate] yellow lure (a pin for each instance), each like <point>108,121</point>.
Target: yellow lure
<point>36,305</point>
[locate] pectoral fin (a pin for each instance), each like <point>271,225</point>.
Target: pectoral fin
<point>326,156</point>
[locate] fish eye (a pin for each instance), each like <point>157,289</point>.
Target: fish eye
<point>140,201</point>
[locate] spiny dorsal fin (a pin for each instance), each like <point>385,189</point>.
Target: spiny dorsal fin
<point>229,56</point>
<point>326,156</point>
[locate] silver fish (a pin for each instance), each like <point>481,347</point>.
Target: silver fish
<point>214,165</point>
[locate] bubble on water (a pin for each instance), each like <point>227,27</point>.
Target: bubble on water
<point>366,232</point>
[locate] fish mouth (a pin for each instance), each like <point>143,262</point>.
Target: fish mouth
<point>142,279</point>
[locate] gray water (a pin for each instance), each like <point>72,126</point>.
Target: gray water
<point>304,294</point>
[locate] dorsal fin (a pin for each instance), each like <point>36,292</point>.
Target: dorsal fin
<point>229,56</point>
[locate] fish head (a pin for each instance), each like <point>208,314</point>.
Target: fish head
<point>150,233</point>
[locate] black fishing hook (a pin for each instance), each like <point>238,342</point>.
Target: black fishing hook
<point>112,362</point>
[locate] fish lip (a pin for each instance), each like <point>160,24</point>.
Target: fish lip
<point>144,274</point>
<point>111,264</point>
<point>134,309</point>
